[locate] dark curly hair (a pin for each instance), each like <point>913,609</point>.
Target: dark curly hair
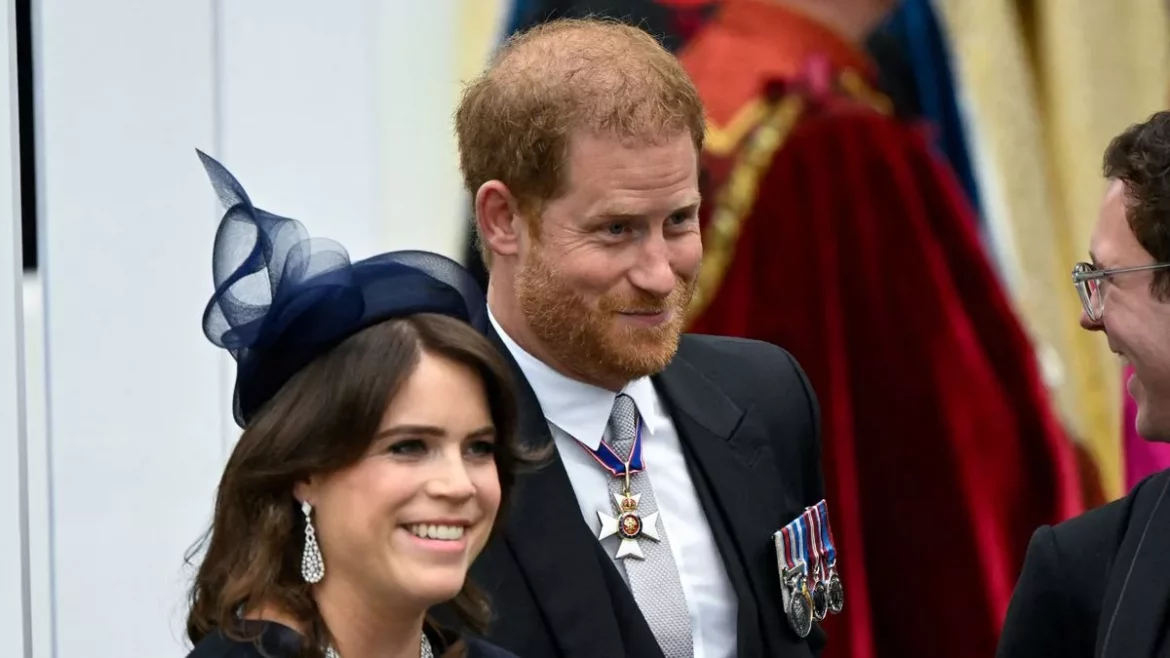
<point>1140,158</point>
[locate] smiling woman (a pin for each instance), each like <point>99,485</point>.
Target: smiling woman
<point>378,446</point>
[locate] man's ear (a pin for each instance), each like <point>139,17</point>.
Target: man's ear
<point>497,218</point>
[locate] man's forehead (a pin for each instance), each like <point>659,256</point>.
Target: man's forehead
<point>587,139</point>
<point>603,158</point>
<point>1111,234</point>
<point>618,205</point>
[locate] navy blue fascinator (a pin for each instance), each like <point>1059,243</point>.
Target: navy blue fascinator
<point>282,298</point>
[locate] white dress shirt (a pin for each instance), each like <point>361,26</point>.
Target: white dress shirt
<point>577,411</point>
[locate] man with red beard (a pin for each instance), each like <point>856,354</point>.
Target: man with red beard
<point>677,457</point>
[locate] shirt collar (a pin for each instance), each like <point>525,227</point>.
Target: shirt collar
<point>580,409</point>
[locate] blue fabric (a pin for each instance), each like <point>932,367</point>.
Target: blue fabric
<point>915,26</point>
<point>282,298</point>
<point>517,16</point>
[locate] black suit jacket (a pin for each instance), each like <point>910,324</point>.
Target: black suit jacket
<point>1097,585</point>
<point>748,422</point>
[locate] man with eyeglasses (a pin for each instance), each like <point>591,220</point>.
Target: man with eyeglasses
<point>1099,584</point>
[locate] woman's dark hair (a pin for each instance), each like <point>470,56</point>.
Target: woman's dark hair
<point>323,420</point>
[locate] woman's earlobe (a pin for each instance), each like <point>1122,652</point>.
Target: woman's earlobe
<point>302,492</point>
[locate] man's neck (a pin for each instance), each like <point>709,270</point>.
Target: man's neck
<point>507,315</point>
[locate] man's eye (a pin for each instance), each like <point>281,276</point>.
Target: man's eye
<point>615,229</point>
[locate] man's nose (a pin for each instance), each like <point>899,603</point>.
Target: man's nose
<point>1089,324</point>
<point>655,275</point>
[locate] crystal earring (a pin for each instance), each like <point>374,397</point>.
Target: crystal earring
<point>312,564</point>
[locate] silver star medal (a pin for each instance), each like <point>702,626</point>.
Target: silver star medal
<point>628,525</point>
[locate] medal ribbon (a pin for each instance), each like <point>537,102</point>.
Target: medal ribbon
<point>610,461</point>
<point>800,543</point>
<point>786,535</point>
<point>817,566</point>
<point>827,534</point>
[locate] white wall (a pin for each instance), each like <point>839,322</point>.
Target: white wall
<point>336,114</point>
<point>15,605</point>
<point>134,392</point>
<point>347,114</point>
<point>422,198</point>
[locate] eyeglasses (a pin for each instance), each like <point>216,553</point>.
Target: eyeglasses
<point>1088,282</point>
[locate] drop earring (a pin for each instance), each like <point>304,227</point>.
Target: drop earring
<point>312,564</point>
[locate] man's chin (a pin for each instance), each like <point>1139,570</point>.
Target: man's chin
<point>642,358</point>
<point>1152,424</point>
<point>1152,420</point>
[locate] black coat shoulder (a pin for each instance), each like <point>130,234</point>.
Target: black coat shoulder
<point>477,648</point>
<point>767,380</point>
<point>1058,599</point>
<point>715,350</point>
<point>747,370</point>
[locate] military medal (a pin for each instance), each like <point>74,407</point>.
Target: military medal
<point>817,573</point>
<point>798,605</point>
<point>627,524</point>
<point>836,589</point>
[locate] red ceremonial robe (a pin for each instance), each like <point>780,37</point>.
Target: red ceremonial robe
<point>832,230</point>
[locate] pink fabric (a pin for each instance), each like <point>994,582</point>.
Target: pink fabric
<point>1142,458</point>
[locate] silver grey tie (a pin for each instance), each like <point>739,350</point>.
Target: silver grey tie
<point>654,578</point>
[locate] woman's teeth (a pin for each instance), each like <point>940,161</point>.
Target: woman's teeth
<point>442,532</point>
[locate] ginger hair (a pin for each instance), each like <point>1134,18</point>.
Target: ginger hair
<point>515,121</point>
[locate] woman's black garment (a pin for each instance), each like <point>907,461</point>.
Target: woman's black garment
<point>278,641</point>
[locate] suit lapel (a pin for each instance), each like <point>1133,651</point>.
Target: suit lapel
<point>729,462</point>
<point>555,549</point>
<point>1139,584</point>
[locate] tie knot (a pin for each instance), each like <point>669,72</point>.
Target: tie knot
<point>623,423</point>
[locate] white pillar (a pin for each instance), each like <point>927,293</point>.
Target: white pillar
<point>348,115</point>
<point>135,393</point>
<point>15,607</point>
<point>297,112</point>
<point>418,54</point>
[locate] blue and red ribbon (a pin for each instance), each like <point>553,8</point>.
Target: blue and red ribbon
<point>610,461</point>
<point>813,543</point>
<point>826,534</point>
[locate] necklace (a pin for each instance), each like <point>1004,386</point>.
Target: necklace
<point>425,650</point>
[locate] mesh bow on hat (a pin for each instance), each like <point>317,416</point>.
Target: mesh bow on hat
<point>282,298</point>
